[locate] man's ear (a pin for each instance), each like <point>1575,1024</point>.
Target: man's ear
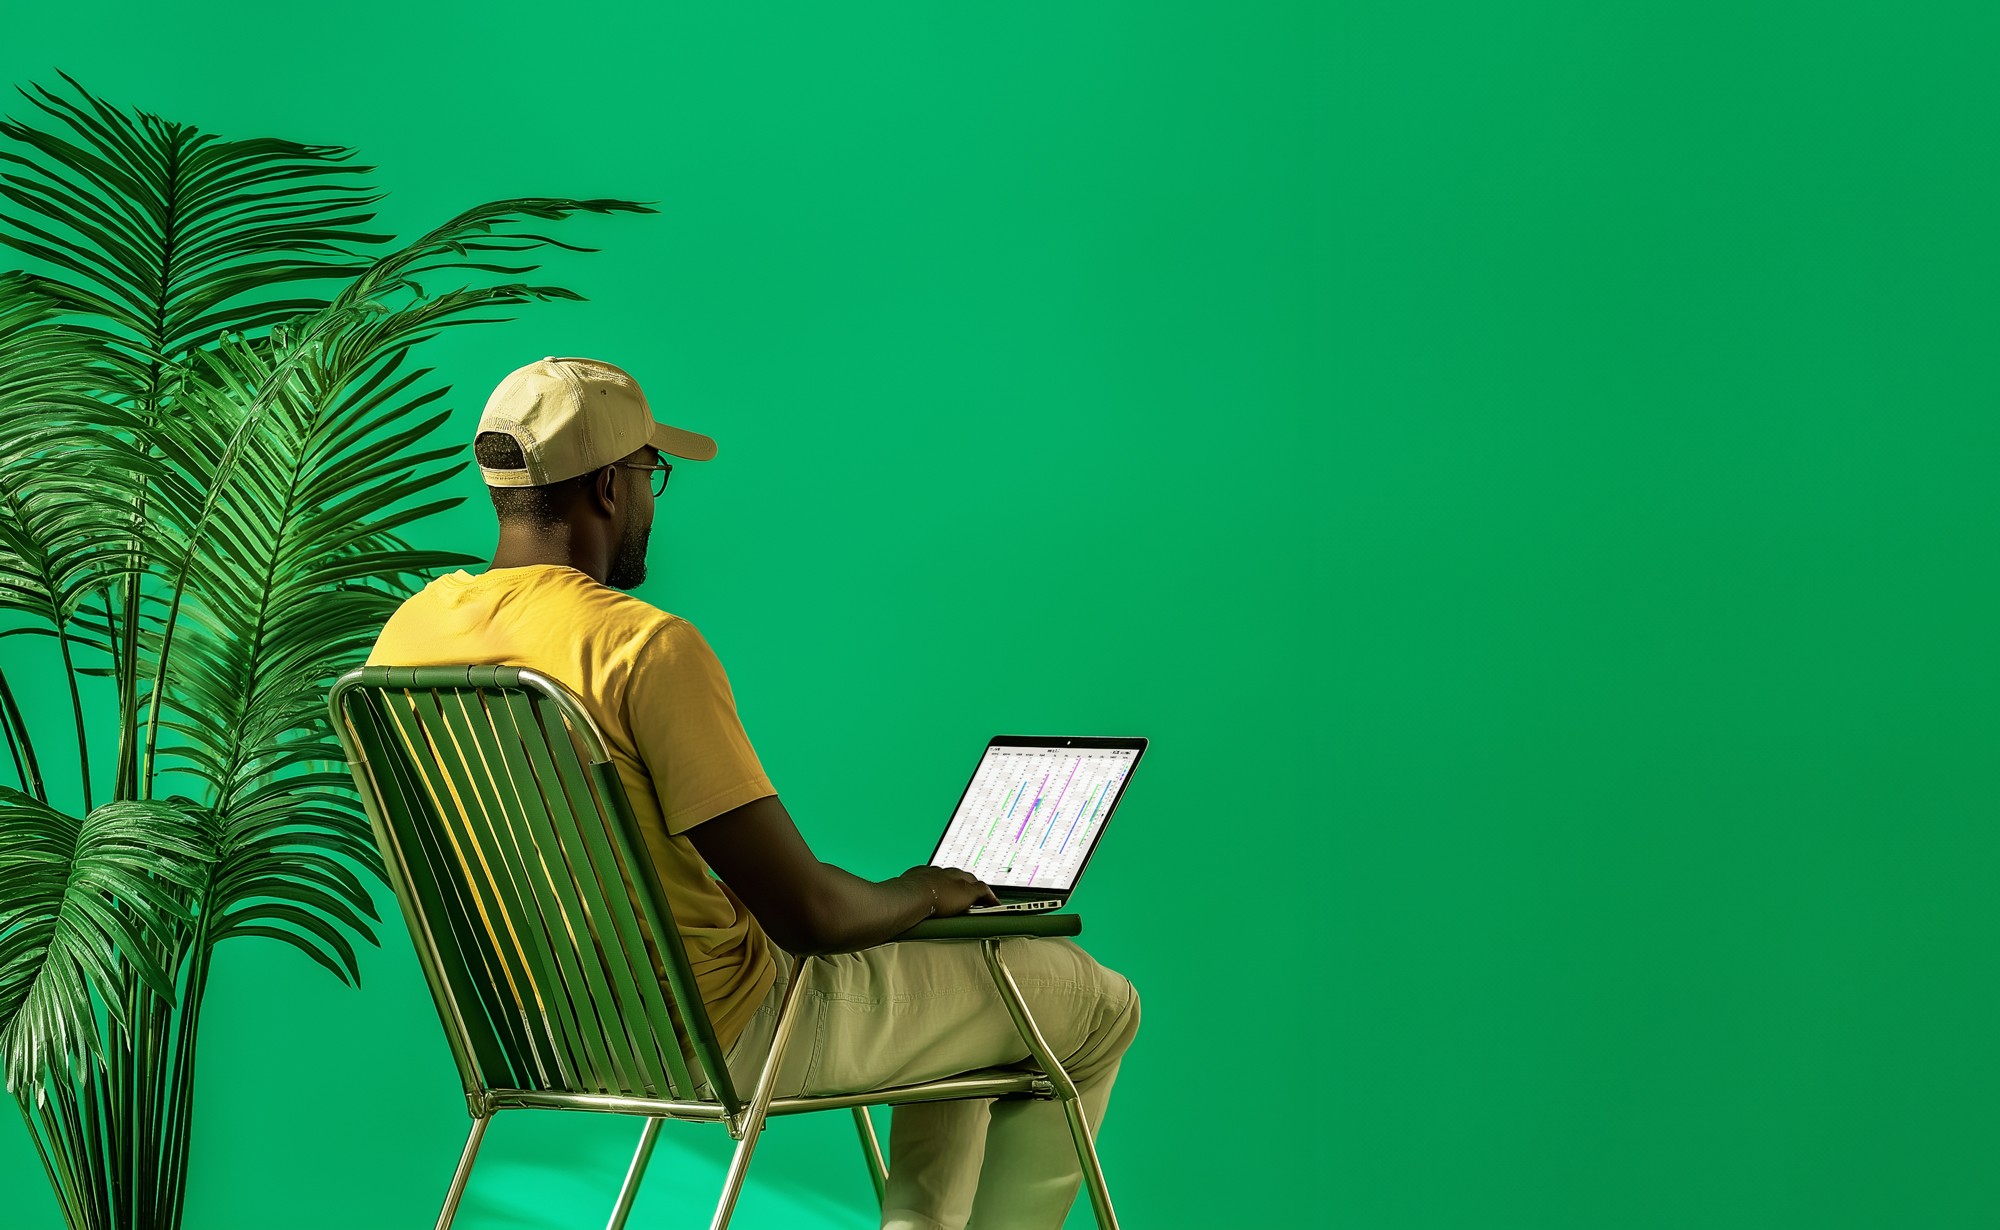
<point>603,487</point>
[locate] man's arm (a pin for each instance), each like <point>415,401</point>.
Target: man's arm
<point>810,907</point>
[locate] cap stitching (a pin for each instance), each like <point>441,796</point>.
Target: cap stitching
<point>581,418</point>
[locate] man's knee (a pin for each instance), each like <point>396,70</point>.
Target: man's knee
<point>1059,960</point>
<point>1128,1016</point>
<point>1106,1017</point>
<point>1117,991</point>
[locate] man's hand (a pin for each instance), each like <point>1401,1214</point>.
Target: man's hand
<point>956,891</point>
<point>812,907</point>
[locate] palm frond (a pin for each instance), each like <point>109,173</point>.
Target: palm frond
<point>300,379</point>
<point>62,453</point>
<point>291,566</point>
<point>83,899</point>
<point>483,228</point>
<point>60,450</point>
<point>171,236</point>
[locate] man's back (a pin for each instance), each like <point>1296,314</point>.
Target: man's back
<point>668,715</point>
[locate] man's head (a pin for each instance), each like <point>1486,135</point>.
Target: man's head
<point>623,494</point>
<point>569,449</point>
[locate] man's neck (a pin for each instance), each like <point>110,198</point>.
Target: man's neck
<point>521,549</point>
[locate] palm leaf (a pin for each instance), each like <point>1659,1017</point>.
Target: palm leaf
<point>483,228</point>
<point>292,564</point>
<point>79,900</point>
<point>60,449</point>
<point>296,411</point>
<point>164,237</point>
<point>297,571</point>
<point>170,236</point>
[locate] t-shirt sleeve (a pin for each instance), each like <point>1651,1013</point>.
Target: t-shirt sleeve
<point>682,715</point>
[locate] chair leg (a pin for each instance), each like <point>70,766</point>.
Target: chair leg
<point>1079,1127</point>
<point>751,1126</point>
<point>871,1148</point>
<point>463,1172</point>
<point>630,1192</point>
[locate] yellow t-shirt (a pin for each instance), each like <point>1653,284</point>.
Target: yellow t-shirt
<point>668,716</point>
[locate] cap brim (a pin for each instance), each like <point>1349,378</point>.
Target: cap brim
<point>691,445</point>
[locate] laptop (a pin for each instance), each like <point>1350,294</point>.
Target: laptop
<point>1034,812</point>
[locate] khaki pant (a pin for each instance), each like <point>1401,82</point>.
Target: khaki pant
<point>917,1011</point>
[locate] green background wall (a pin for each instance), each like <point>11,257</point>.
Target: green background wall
<point>1528,467</point>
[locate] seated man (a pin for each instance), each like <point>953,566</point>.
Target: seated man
<point>573,460</point>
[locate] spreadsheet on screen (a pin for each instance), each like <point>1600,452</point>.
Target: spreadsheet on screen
<point>1031,813</point>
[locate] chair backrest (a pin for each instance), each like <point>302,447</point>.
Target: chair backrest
<point>537,914</point>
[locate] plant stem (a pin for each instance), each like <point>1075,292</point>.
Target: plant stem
<point>25,765</point>
<point>180,1107</point>
<point>103,1093</point>
<point>91,1196</point>
<point>76,707</point>
<point>169,238</point>
<point>128,1080</point>
<point>72,1215</point>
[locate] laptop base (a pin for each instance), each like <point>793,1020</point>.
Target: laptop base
<point>1017,907</point>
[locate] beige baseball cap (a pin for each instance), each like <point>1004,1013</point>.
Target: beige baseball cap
<point>571,416</point>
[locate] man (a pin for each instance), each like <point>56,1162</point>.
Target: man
<point>575,464</point>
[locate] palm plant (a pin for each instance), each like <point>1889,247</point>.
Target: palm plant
<point>203,487</point>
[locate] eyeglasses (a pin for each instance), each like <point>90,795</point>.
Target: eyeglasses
<point>659,483</point>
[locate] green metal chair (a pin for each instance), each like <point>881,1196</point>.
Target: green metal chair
<point>540,925</point>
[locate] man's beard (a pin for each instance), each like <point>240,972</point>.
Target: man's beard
<point>628,567</point>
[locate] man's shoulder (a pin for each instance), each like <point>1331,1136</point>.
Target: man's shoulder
<point>617,609</point>
<point>533,613</point>
<point>589,610</point>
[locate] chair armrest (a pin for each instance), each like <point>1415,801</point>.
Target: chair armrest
<point>992,926</point>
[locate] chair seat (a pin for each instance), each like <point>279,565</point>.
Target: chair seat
<point>984,1083</point>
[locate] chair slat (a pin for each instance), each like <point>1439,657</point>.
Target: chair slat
<point>617,938</point>
<point>489,1035</point>
<point>651,897</point>
<point>546,864</point>
<point>462,863</point>
<point>550,923</point>
<point>487,828</point>
<point>594,815</point>
<point>530,1057</point>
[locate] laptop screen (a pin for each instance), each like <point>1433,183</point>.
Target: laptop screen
<point>1034,809</point>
